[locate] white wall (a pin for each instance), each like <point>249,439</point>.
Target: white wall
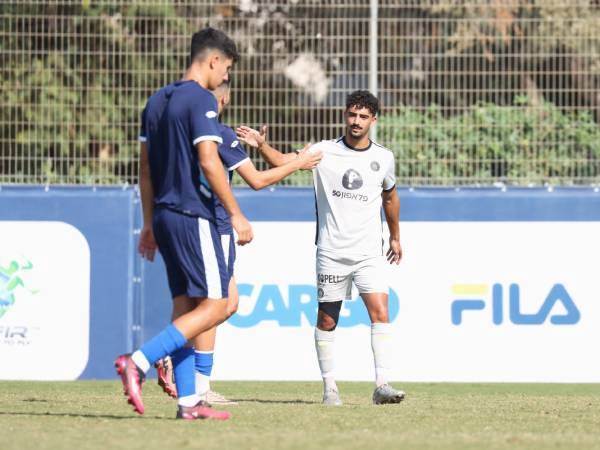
<point>443,261</point>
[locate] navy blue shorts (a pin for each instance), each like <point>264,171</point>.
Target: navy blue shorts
<point>192,248</point>
<point>228,243</point>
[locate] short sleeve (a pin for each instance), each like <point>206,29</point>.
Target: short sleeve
<point>389,180</point>
<point>204,119</point>
<point>143,136</point>
<point>231,151</point>
<point>321,146</point>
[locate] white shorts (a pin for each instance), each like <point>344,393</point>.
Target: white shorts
<point>335,276</point>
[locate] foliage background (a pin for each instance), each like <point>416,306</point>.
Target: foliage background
<point>474,92</point>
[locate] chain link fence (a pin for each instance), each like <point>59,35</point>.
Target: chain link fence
<point>473,92</point>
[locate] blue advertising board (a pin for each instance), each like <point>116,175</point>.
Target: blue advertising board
<point>128,298</point>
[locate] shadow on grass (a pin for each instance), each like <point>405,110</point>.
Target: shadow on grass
<point>88,416</point>
<point>282,402</point>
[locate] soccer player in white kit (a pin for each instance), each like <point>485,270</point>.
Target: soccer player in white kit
<point>353,181</point>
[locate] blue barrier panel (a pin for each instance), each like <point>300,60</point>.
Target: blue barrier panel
<point>106,217</point>
<point>129,300</point>
<point>441,204</point>
<point>423,204</point>
<point>495,285</point>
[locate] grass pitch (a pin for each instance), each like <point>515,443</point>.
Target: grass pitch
<point>94,415</point>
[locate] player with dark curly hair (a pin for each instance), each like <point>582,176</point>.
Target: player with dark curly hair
<point>363,99</point>
<point>353,181</point>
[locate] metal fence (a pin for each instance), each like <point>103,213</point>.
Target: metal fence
<point>473,92</point>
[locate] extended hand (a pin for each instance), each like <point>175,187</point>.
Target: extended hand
<point>394,254</point>
<point>252,137</point>
<point>147,245</point>
<point>310,159</point>
<point>243,229</point>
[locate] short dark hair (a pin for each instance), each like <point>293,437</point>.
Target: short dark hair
<point>363,99</point>
<point>211,38</point>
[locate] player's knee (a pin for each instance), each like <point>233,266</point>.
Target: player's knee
<point>220,311</point>
<point>232,308</point>
<point>326,324</point>
<point>379,314</point>
<point>224,312</point>
<point>328,316</point>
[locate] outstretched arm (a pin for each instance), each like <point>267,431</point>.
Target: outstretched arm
<point>258,140</point>
<point>391,208</point>
<point>257,179</point>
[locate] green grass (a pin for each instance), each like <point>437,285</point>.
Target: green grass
<point>94,415</point>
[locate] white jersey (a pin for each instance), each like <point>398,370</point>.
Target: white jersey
<point>348,186</point>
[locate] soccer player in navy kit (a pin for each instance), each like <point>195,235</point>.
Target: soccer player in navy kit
<point>180,173</point>
<point>234,157</point>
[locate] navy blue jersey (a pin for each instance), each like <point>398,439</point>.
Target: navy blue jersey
<point>233,155</point>
<point>175,119</point>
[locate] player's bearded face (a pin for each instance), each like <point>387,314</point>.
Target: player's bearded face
<point>358,121</point>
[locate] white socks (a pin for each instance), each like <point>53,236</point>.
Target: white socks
<point>381,340</point>
<point>188,400</point>
<point>202,384</point>
<point>324,341</point>
<point>141,361</point>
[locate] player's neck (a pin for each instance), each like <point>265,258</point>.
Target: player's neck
<point>194,73</point>
<point>362,143</point>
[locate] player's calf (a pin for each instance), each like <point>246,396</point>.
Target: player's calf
<point>327,319</point>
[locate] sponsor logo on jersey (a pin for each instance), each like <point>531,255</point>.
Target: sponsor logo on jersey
<point>211,114</point>
<point>352,180</point>
<point>234,144</point>
<point>350,196</point>
<point>375,166</point>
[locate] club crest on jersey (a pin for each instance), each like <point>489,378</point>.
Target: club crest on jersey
<point>374,166</point>
<point>352,180</point>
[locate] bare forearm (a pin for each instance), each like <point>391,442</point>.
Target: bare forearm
<point>276,174</point>
<point>212,168</point>
<point>220,186</point>
<point>274,157</point>
<point>147,197</point>
<point>391,208</point>
<point>146,189</point>
<point>261,179</point>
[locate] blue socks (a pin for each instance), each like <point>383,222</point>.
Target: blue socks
<point>204,362</point>
<point>183,367</point>
<point>161,345</point>
<point>170,341</point>
<point>204,365</point>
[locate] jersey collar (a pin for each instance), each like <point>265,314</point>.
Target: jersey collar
<point>343,139</point>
